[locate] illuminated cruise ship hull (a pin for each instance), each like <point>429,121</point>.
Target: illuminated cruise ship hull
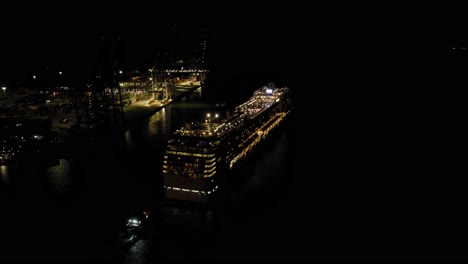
<point>200,157</point>
<point>187,189</point>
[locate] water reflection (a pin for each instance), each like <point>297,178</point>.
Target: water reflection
<point>4,175</point>
<point>129,140</point>
<point>157,123</point>
<point>59,176</point>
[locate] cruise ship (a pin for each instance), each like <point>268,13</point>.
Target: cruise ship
<point>200,155</point>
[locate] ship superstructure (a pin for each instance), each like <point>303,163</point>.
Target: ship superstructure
<point>201,154</point>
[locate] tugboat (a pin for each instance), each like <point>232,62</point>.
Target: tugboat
<point>133,228</point>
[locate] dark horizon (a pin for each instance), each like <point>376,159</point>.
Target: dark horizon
<point>77,53</point>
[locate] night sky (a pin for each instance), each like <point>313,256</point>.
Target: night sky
<point>243,39</point>
<point>378,90</point>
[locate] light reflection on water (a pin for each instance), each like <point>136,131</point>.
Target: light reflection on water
<point>4,175</point>
<point>59,176</point>
<point>128,140</point>
<point>157,123</point>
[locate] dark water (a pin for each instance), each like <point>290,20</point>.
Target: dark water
<point>73,208</point>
